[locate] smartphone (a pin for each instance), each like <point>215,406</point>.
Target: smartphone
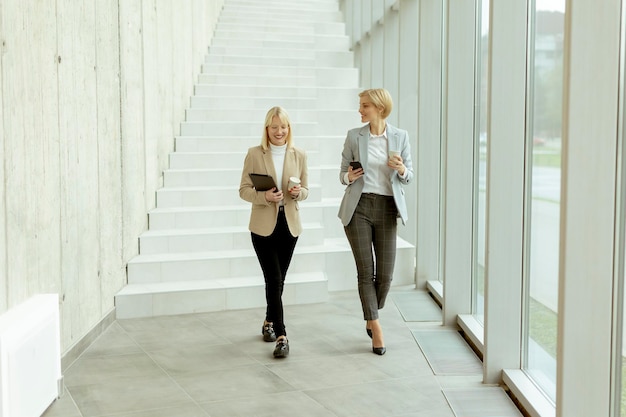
<point>356,165</point>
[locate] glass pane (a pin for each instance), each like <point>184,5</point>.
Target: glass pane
<point>623,370</point>
<point>480,162</point>
<point>542,239</point>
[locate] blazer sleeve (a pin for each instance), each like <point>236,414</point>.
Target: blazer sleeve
<point>247,191</point>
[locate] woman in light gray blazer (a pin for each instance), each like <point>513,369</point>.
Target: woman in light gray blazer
<point>373,200</point>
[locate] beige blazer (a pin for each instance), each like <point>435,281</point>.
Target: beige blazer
<point>264,214</point>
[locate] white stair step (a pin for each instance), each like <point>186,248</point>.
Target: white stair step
<point>220,160</point>
<point>265,36</point>
<point>286,76</point>
<point>250,51</point>
<point>265,16</point>
<point>284,28</point>
<point>218,238</point>
<point>235,215</point>
<point>176,267</point>
<point>308,43</point>
<point>264,102</point>
<point>157,299</point>
<point>277,5</point>
<point>189,143</point>
<point>198,217</point>
<point>334,255</point>
<point>254,90</point>
<point>321,59</point>
<point>242,59</point>
<point>210,177</point>
<point>212,196</point>
<point>348,118</point>
<point>225,129</point>
<point>260,70</point>
<point>255,79</point>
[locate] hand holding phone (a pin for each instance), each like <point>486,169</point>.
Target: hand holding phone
<point>355,165</point>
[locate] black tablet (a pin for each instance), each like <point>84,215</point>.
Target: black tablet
<point>262,182</point>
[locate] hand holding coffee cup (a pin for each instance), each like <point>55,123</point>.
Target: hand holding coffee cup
<point>293,186</point>
<point>395,162</point>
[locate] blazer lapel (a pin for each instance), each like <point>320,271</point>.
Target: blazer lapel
<point>288,167</point>
<point>362,140</point>
<point>269,164</point>
<point>392,138</point>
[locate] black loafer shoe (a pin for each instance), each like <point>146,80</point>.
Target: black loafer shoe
<point>379,351</point>
<point>282,348</point>
<point>268,332</point>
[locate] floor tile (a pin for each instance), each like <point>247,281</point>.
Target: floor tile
<point>424,310</point>
<point>184,358</point>
<point>109,369</point>
<point>271,405</point>
<point>327,372</point>
<point>481,402</point>
<point>447,352</point>
<point>63,407</point>
<point>181,411</point>
<point>113,341</point>
<point>132,394</point>
<point>234,383</point>
<point>384,398</point>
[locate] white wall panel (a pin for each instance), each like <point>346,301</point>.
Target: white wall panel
<point>31,149</point>
<point>133,158</point>
<point>3,243</point>
<point>111,271</point>
<point>78,155</point>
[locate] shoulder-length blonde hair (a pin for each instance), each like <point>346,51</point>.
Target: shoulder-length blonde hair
<point>381,99</point>
<point>284,117</point>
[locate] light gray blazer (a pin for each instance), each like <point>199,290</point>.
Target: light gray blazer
<point>355,149</point>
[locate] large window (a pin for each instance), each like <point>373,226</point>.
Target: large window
<point>480,159</point>
<point>543,192</point>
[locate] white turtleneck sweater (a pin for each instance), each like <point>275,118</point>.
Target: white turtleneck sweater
<point>278,157</point>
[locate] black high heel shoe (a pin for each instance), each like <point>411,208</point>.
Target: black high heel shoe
<point>379,350</point>
<point>369,332</point>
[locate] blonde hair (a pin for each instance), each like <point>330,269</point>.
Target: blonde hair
<point>284,117</point>
<point>381,99</point>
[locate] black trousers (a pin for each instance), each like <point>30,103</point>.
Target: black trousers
<point>372,237</point>
<point>274,253</point>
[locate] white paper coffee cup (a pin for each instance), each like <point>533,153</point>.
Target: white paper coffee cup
<point>393,153</point>
<point>293,181</point>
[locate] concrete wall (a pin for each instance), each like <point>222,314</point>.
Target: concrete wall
<point>92,94</point>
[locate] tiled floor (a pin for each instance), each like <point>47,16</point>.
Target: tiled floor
<point>216,365</point>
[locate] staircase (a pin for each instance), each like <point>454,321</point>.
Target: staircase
<point>197,255</point>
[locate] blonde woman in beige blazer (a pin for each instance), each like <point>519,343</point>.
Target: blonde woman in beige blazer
<point>275,218</point>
